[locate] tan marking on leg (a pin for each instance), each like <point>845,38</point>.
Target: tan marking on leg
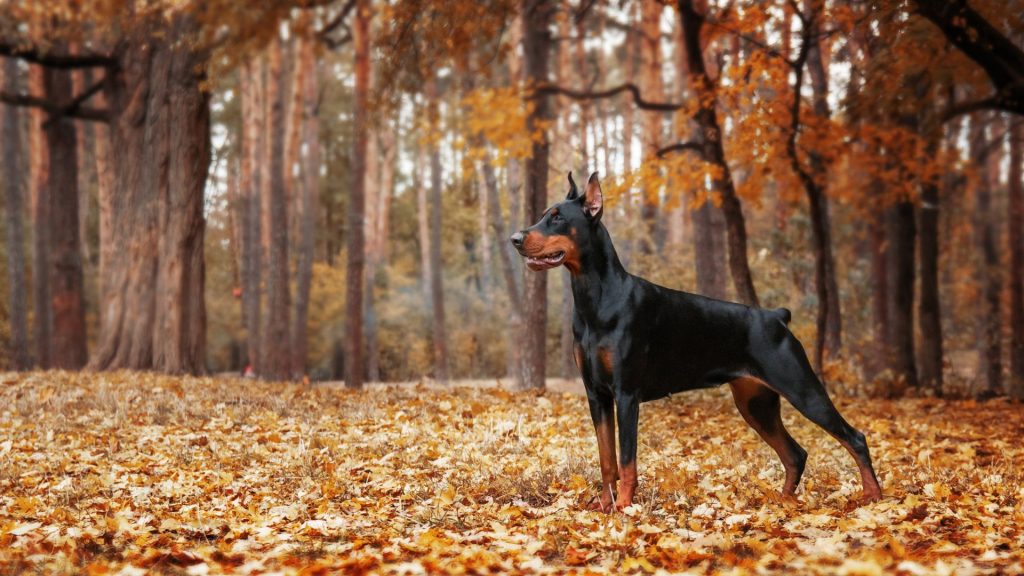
<point>773,433</point>
<point>627,487</point>
<point>609,470</point>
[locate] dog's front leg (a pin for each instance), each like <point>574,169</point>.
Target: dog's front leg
<point>602,411</point>
<point>628,413</point>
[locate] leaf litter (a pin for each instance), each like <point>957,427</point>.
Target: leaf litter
<point>128,473</point>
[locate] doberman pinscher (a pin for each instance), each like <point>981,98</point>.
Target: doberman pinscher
<point>636,341</point>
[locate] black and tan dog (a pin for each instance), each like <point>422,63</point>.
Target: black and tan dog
<point>636,341</point>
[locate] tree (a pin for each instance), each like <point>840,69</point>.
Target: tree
<point>308,202</point>
<point>357,201</point>
<point>1015,276</point>
<point>692,21</point>
<point>537,15</point>
<point>10,157</point>
<point>67,347</point>
<point>276,354</point>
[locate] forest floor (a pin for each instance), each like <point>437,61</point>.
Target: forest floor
<point>127,472</point>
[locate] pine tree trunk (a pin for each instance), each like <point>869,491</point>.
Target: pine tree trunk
<point>713,152</point>
<point>10,168</point>
<point>989,339</point>
<point>357,201</point>
<point>154,316</point>
<point>66,280</point>
<point>251,92</point>
<point>536,48</point>
<point>276,349</point>
<point>1016,270</point>
<point>308,204</point>
<point>39,170</point>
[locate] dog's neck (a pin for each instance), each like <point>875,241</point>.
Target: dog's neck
<point>601,274</point>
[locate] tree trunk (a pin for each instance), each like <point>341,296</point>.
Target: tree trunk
<point>423,223</point>
<point>713,152</point>
<point>39,170</point>
<point>652,87</point>
<point>154,316</point>
<point>901,232</point>
<point>929,313</point>
<point>1016,269</point>
<point>536,47</point>
<point>987,162</point>
<point>276,350</point>
<point>440,339</point>
<point>829,336</point>
<point>357,201</point>
<point>309,201</point>
<point>66,280</point>
<point>10,158</point>
<point>251,90</point>
<point>880,280</point>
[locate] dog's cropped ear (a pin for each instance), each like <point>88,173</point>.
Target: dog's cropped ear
<point>593,201</point>
<point>574,192</point>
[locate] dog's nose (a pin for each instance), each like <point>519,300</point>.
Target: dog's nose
<point>517,239</point>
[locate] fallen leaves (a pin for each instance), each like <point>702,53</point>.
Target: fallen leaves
<point>133,472</point>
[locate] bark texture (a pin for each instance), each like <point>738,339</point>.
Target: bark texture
<point>39,174</point>
<point>67,301</point>
<point>152,312</point>
<point>10,158</point>
<point>308,203</point>
<point>537,15</point>
<point>706,117</point>
<point>357,202</point>
<point>1016,270</point>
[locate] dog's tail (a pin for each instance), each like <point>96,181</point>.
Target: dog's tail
<point>782,314</point>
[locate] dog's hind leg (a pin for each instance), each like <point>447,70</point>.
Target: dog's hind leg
<point>760,407</point>
<point>790,374</point>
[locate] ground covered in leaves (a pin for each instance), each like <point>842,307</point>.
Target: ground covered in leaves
<point>129,472</point>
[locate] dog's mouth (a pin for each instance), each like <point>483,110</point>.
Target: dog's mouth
<point>545,261</point>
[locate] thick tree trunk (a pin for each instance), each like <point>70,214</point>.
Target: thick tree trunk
<point>1016,270</point>
<point>713,152</point>
<point>901,232</point>
<point>309,201</point>
<point>10,158</point>
<point>251,90</point>
<point>357,201</point>
<point>66,281</point>
<point>154,316</point>
<point>39,170</point>
<point>989,339</point>
<point>537,15</point>
<point>276,349</point>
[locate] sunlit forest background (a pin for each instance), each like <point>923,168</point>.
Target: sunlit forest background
<point>326,188</point>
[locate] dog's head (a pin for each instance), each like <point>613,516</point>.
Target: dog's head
<point>556,238</point>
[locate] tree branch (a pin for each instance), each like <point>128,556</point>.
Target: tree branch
<point>547,89</point>
<point>338,21</point>
<point>63,61</point>
<point>77,111</point>
<point>680,147</point>
<point>982,42</point>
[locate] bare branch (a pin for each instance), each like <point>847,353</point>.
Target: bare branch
<point>681,147</point>
<point>78,111</point>
<point>337,21</point>
<point>547,89</point>
<point>62,61</point>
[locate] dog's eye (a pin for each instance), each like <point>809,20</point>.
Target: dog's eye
<point>556,219</point>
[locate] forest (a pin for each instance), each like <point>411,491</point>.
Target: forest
<point>289,220</point>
